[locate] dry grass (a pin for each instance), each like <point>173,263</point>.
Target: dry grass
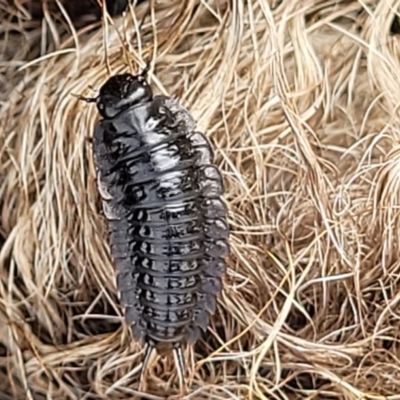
<point>300,99</point>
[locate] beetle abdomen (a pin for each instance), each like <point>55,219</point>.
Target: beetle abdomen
<point>161,196</point>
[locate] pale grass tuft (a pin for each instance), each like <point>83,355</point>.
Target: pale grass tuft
<point>301,102</point>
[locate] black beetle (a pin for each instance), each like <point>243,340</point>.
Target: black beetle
<point>161,194</point>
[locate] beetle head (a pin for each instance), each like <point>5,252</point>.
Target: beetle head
<point>121,92</point>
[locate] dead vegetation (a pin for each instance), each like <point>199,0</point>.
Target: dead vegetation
<point>300,100</point>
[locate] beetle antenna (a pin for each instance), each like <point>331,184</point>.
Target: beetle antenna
<point>145,70</point>
<point>86,99</point>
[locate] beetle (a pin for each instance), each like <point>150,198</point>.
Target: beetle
<point>162,195</point>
